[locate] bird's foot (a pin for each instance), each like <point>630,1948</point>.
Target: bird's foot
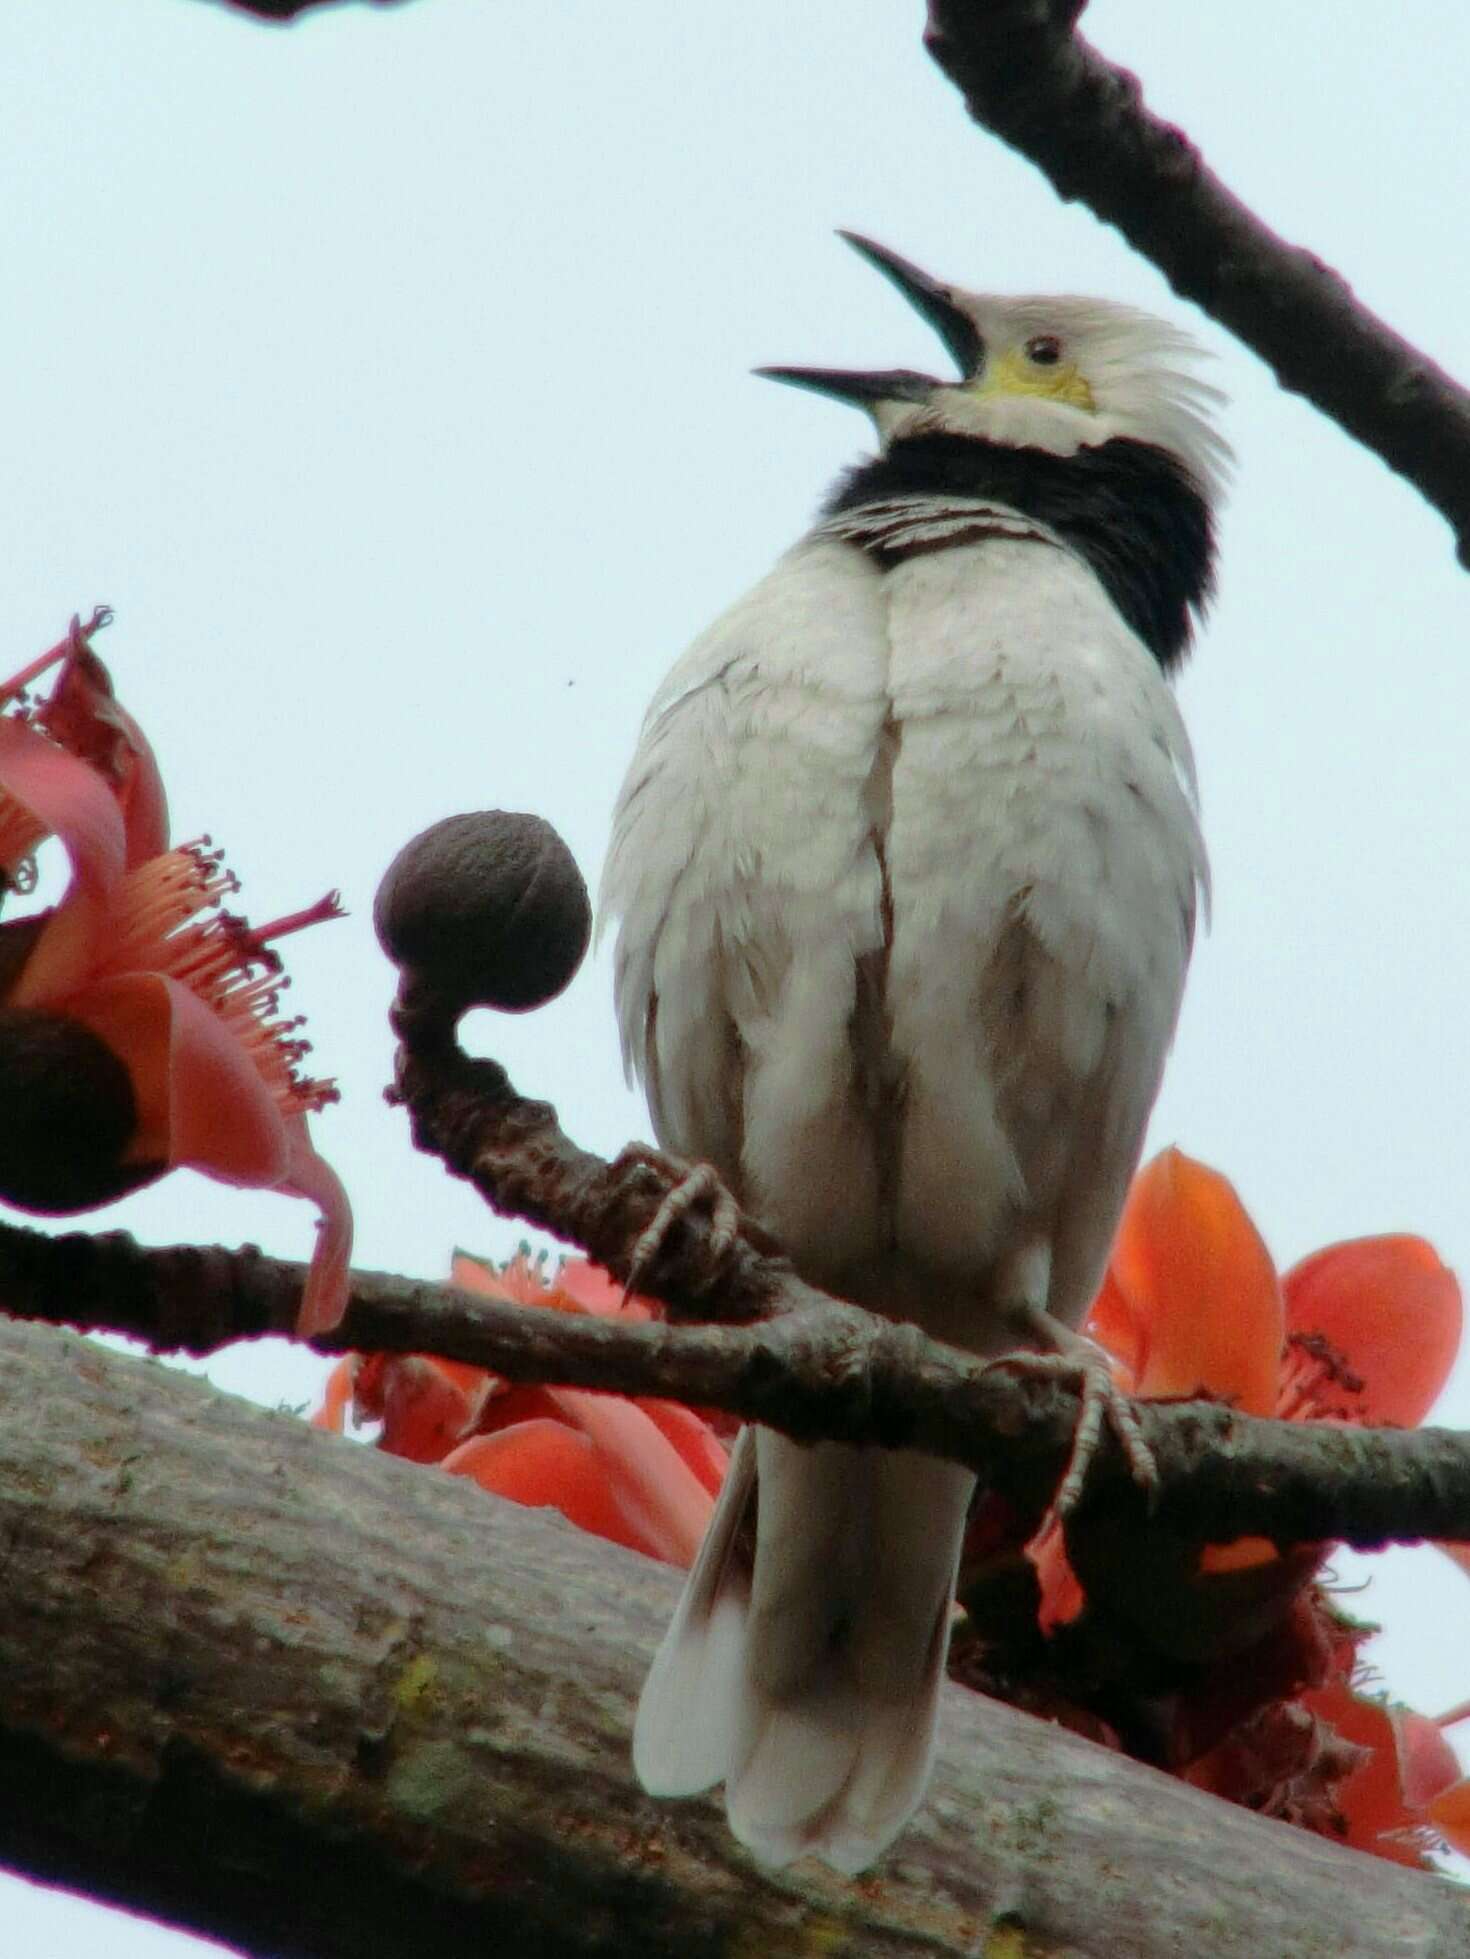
<point>1074,1358</point>
<point>699,1189</point>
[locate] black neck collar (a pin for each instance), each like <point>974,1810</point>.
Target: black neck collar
<point>1132,510</point>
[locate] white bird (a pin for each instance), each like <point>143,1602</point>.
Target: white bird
<point>906,867</point>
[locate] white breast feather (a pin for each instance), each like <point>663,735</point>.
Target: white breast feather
<point>980,727</point>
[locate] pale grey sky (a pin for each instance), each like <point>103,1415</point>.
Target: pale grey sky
<point>389,375</point>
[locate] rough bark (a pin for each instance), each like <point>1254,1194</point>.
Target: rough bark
<point>317,1702</point>
<point>1041,88</point>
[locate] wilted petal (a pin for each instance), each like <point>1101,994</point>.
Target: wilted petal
<point>1198,1288</point>
<point>1391,1310</point>
<point>85,715</point>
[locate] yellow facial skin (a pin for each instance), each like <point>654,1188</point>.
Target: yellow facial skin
<point>1013,372</point>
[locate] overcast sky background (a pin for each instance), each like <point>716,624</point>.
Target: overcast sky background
<point>389,375</point>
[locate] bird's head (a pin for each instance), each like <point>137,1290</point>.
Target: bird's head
<point>1058,374</point>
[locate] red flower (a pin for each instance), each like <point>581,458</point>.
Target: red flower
<point>128,965</point>
<point>1364,1331</point>
<point>640,1471</point>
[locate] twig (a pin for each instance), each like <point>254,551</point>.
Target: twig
<point>1041,88</point>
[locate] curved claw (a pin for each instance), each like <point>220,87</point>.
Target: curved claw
<point>700,1187</point>
<point>1102,1400</point>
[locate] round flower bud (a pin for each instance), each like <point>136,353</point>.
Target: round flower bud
<point>489,909</point>
<point>69,1115</point>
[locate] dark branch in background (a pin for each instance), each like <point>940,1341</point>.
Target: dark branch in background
<point>305,1698</point>
<point>1039,87</point>
<point>284,11</point>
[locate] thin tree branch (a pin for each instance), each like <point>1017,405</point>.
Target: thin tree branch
<point>822,1371</point>
<point>302,1697</point>
<point>1041,88</point>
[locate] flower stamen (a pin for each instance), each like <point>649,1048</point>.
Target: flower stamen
<point>1311,1369</point>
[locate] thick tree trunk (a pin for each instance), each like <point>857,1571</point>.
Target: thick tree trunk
<point>315,1701</point>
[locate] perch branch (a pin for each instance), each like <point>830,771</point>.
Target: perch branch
<point>814,1367</point>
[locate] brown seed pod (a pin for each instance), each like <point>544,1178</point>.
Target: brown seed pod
<point>67,1114</point>
<point>488,908</point>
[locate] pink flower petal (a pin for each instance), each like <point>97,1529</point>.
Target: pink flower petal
<point>86,716</point>
<point>201,1101</point>
<point>72,801</point>
<point>324,1300</point>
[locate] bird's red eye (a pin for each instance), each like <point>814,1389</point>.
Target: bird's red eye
<point>1045,350</point>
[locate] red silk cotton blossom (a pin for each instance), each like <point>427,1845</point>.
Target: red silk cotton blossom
<point>638,1470</point>
<point>1192,1304</point>
<point>138,1017</point>
<point>1365,1332</point>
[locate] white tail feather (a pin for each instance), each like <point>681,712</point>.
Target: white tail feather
<point>811,1685</point>
<point>682,1735</point>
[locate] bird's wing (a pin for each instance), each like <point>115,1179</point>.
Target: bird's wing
<point>745,882</point>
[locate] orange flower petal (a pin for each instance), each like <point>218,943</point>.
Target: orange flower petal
<point>1427,1763</point>
<point>592,1288</point>
<point>1392,1311</point>
<point>1198,1287</point>
<point>425,1412</point>
<point>1449,1812</point>
<point>692,1437</point>
<point>1062,1597</point>
<point>1114,1324</point>
<point>519,1281</point>
<point>1241,1554</point>
<point>337,1396</point>
<point>1371,1799</point>
<point>201,1100</point>
<point>656,1487</point>
<point>546,1464</point>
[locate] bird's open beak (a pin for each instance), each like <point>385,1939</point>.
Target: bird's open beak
<point>862,390</point>
<point>928,297</point>
<point>938,306</point>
